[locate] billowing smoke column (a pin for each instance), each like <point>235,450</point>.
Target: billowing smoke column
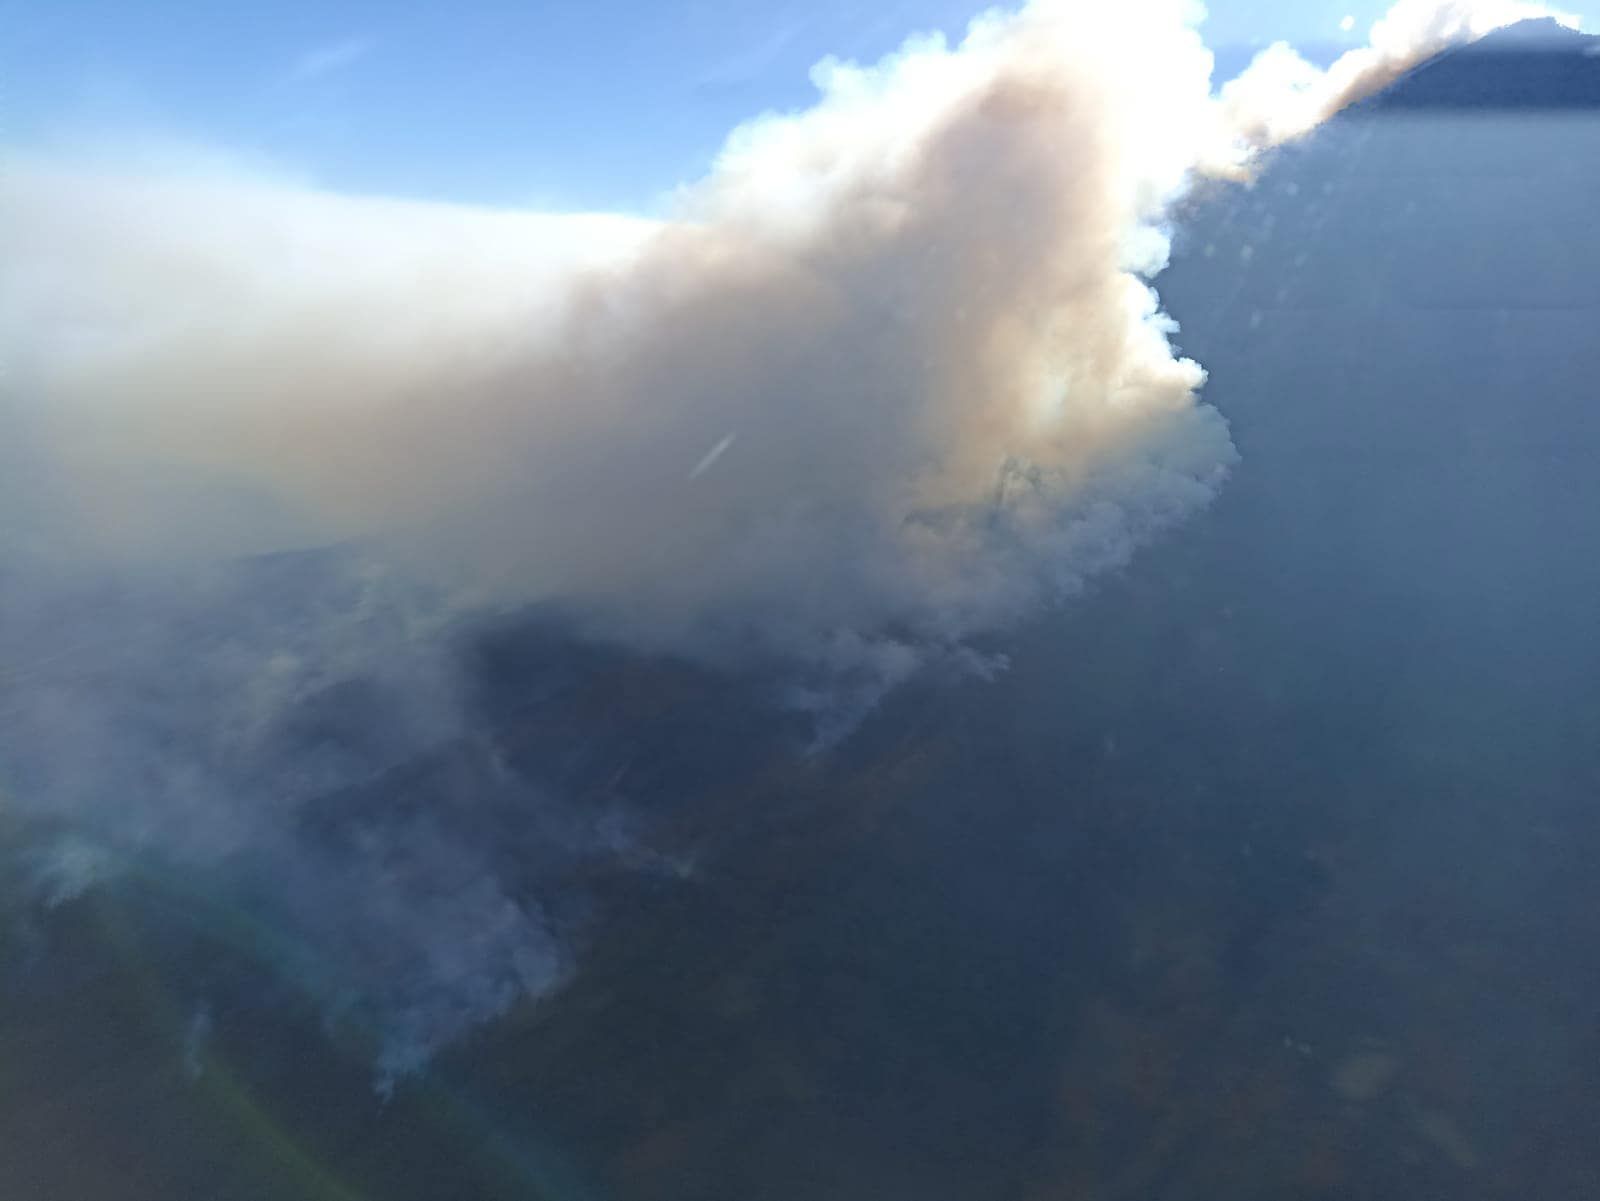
<point>892,367</point>
<point>889,379</point>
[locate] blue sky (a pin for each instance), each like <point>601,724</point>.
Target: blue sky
<point>602,104</point>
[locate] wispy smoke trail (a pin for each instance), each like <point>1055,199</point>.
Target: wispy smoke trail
<point>1282,96</point>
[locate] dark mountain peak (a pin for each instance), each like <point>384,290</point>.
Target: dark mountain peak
<point>1536,64</point>
<point>1537,35</point>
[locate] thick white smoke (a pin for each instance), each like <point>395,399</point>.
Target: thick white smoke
<point>894,365</point>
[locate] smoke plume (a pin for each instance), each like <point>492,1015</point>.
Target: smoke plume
<point>889,379</point>
<point>893,366</point>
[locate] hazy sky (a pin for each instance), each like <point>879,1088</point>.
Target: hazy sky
<point>607,103</point>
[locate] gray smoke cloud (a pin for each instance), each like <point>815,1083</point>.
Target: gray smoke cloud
<point>891,378</point>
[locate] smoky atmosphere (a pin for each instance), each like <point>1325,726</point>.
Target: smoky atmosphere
<point>773,604</point>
